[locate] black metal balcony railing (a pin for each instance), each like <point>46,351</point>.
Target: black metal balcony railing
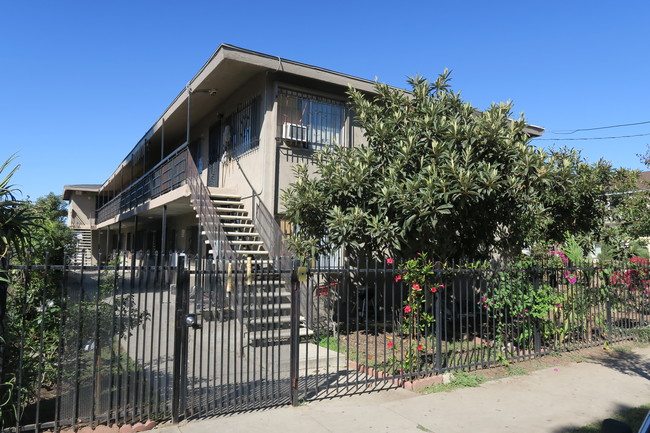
<point>167,175</point>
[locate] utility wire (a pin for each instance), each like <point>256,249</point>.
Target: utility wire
<point>590,138</point>
<point>600,127</point>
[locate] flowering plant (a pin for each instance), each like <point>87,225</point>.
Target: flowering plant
<point>635,278</point>
<point>420,279</point>
<point>520,296</point>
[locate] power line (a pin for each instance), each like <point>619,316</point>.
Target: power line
<point>600,127</point>
<point>591,138</point>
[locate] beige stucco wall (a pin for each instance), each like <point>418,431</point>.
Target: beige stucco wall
<point>81,210</point>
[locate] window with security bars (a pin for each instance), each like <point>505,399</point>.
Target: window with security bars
<point>310,121</point>
<point>242,128</point>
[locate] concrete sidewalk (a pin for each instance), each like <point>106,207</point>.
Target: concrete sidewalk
<point>550,400</point>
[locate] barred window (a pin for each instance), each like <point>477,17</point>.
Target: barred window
<point>310,121</point>
<point>242,128</point>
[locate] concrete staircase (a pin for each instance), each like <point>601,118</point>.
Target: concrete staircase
<point>266,302</point>
<point>84,246</point>
<point>239,227</point>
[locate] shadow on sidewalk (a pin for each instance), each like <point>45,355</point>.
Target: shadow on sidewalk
<point>630,363</point>
<point>632,417</point>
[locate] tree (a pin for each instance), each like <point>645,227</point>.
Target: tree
<point>16,219</point>
<point>628,219</point>
<point>441,177</point>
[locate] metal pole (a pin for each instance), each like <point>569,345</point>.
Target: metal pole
<point>180,340</point>
<point>119,236</point>
<point>163,241</point>
<point>108,240</point>
<point>536,334</point>
<point>295,337</point>
<point>439,318</point>
<point>133,253</point>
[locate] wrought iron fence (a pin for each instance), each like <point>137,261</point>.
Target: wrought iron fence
<point>145,337</point>
<point>370,325</point>
<point>157,337</point>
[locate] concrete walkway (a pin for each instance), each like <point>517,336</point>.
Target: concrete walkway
<point>550,400</point>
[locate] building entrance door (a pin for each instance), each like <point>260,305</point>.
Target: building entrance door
<point>214,154</point>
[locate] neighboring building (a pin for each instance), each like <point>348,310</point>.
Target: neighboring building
<point>213,166</point>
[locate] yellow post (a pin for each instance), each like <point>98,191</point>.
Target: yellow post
<point>230,279</point>
<point>249,270</point>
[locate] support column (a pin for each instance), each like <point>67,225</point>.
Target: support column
<point>163,240</point>
<point>119,236</point>
<point>108,240</point>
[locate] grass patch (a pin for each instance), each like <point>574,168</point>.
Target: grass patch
<point>516,370</point>
<point>460,380</point>
<point>632,417</point>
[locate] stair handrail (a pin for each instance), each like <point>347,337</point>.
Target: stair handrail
<point>265,224</point>
<point>208,217</point>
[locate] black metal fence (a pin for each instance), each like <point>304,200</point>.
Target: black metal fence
<point>370,325</point>
<point>157,337</point>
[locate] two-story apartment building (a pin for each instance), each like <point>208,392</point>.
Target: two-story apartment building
<point>208,174</point>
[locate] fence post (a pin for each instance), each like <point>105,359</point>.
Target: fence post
<point>438,321</point>
<point>536,332</point>
<point>180,341</point>
<point>295,337</point>
<point>608,308</point>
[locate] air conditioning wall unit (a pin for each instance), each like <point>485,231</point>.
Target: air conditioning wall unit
<point>294,134</point>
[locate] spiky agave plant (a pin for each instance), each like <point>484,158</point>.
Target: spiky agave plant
<point>16,219</point>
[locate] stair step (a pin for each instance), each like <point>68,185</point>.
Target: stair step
<point>283,306</point>
<point>235,217</point>
<point>267,295</point>
<point>247,242</point>
<point>273,320</point>
<point>204,233</point>
<point>227,203</point>
<point>252,252</point>
<point>224,195</point>
<point>230,210</point>
<point>244,252</point>
<point>237,225</point>
<point>281,335</point>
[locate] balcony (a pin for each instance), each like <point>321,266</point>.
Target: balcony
<point>168,175</point>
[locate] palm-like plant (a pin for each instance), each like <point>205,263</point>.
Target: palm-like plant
<point>16,219</point>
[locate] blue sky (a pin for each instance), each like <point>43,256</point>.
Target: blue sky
<point>81,82</point>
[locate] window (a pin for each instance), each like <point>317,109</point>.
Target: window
<point>242,128</point>
<point>310,121</point>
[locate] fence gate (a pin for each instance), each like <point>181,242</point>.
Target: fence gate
<point>234,318</point>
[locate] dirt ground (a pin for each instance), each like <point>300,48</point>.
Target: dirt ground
<point>377,350</point>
